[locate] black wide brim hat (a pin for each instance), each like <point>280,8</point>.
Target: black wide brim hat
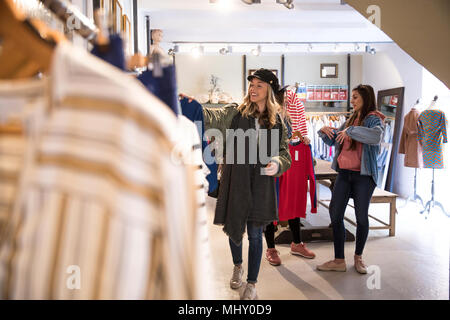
<point>268,77</point>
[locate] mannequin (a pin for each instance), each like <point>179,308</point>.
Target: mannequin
<point>410,146</point>
<point>432,134</point>
<point>157,36</point>
<point>433,103</point>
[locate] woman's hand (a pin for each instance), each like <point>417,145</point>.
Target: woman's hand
<point>306,140</point>
<point>341,136</point>
<point>328,131</point>
<point>182,95</point>
<point>271,169</point>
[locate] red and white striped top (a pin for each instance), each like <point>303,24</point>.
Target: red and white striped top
<point>296,110</point>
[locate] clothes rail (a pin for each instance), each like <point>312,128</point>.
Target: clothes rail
<point>324,113</point>
<point>64,10</point>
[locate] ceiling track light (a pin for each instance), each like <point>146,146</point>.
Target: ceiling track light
<point>287,3</point>
<point>256,51</point>
<point>370,50</point>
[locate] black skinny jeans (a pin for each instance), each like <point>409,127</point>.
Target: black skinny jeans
<point>360,188</point>
<point>294,226</point>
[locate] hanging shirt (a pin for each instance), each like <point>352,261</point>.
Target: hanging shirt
<point>188,144</point>
<point>194,112</point>
<point>294,184</point>
<point>112,53</point>
<point>409,144</point>
<point>22,107</point>
<point>98,197</point>
<point>164,87</point>
<point>432,133</point>
<point>296,111</point>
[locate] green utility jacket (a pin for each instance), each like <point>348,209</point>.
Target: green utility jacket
<point>220,118</point>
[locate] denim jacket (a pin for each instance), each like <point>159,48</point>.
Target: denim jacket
<point>370,135</point>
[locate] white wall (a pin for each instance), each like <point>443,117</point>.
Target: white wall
<point>388,69</point>
<point>306,68</point>
<point>194,74</point>
<point>356,70</point>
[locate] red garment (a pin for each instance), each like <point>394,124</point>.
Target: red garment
<point>350,159</point>
<point>294,185</point>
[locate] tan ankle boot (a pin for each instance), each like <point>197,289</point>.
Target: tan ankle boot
<point>359,265</point>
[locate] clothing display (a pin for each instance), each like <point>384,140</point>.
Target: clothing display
<point>294,184</point>
<point>432,133</point>
<point>188,145</point>
<point>409,143</point>
<point>112,52</point>
<point>296,111</point>
<point>193,111</point>
<point>164,87</point>
<point>92,168</point>
<point>314,123</point>
<point>22,105</point>
<point>387,138</point>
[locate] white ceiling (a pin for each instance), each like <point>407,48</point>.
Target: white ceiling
<point>310,21</point>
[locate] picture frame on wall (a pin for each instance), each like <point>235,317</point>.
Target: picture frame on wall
<point>126,32</point>
<point>328,70</point>
<point>117,16</point>
<point>107,6</point>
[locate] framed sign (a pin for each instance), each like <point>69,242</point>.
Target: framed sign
<point>328,70</point>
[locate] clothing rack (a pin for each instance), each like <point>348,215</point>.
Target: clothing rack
<point>65,10</point>
<point>324,113</point>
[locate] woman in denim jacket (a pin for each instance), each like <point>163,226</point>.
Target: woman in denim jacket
<point>357,145</point>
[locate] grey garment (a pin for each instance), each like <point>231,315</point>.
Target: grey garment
<point>244,194</point>
<point>370,135</point>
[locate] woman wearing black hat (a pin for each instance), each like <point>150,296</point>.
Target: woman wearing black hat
<point>256,150</point>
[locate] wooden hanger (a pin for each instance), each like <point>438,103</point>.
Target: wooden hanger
<point>27,45</point>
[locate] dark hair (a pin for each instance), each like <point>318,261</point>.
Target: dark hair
<point>369,104</point>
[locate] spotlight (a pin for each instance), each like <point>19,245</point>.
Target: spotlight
<point>356,47</point>
<point>197,51</point>
<point>370,50</point>
<point>223,51</point>
<point>287,3</point>
<point>171,52</point>
<point>256,51</point>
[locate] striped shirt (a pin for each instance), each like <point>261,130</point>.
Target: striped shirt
<point>296,110</point>
<point>96,216</point>
<point>20,104</point>
<point>190,146</point>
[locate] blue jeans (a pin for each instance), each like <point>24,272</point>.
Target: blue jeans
<point>255,249</point>
<point>360,188</point>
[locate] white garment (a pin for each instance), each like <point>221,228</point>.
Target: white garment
<point>189,145</point>
<point>97,208</point>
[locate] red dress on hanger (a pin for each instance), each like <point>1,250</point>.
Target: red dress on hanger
<point>294,185</point>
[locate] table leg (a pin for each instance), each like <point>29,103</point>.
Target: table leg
<point>393,210</point>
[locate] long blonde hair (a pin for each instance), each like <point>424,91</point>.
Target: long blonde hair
<point>269,115</point>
